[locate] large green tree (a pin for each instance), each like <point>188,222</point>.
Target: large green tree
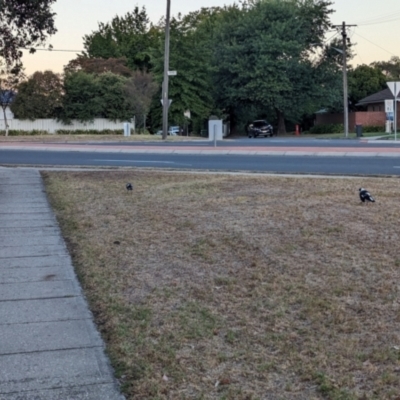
<point>107,95</point>
<point>130,36</point>
<point>23,24</point>
<point>365,80</point>
<point>81,100</point>
<point>40,96</point>
<point>190,55</point>
<point>263,57</point>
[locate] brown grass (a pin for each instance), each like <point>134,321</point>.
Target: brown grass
<point>238,287</point>
<point>92,138</point>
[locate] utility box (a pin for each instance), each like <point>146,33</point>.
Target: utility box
<point>359,130</point>
<point>388,126</point>
<point>215,128</point>
<point>127,129</point>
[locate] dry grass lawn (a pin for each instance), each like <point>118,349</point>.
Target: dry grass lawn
<point>239,287</point>
<point>46,138</point>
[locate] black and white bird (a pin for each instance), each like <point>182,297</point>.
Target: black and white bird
<point>366,196</point>
<point>129,186</point>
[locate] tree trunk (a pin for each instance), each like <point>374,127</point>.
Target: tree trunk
<point>5,120</point>
<point>232,121</point>
<point>281,122</point>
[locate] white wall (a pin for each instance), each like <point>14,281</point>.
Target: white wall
<point>51,125</point>
<point>9,114</point>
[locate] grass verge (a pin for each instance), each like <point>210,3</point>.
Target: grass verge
<point>235,287</point>
<point>93,138</point>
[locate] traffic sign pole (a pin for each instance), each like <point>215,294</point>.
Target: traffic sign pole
<point>394,88</point>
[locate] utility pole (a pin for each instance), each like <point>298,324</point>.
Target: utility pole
<point>345,85</point>
<point>166,68</point>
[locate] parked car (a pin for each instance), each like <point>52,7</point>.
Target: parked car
<point>260,128</point>
<point>172,131</point>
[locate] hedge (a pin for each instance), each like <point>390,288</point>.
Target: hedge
<point>339,128</point>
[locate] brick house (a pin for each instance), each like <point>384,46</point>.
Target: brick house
<point>374,114</point>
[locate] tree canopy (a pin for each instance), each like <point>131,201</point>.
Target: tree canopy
<point>365,80</point>
<point>23,24</point>
<point>130,36</point>
<point>256,59</point>
<point>39,97</point>
<point>391,68</point>
<point>265,63</point>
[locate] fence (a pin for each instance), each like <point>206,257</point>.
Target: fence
<point>366,118</point>
<point>51,125</point>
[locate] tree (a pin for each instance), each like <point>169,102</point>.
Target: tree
<point>81,100</point>
<point>39,97</point>
<point>391,68</point>
<point>114,104</point>
<point>23,24</point>
<point>190,56</point>
<point>8,85</point>
<point>139,91</point>
<point>99,65</point>
<point>364,81</point>
<point>262,57</point>
<point>107,95</point>
<point>129,36</point>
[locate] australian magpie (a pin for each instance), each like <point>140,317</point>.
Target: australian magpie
<point>129,186</point>
<point>366,196</point>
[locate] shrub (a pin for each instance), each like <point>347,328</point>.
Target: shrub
<point>328,128</point>
<point>89,132</point>
<point>371,128</point>
<point>15,132</point>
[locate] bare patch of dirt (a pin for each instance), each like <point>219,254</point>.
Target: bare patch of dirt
<point>239,287</point>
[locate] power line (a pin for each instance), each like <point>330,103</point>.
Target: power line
<point>379,18</point>
<point>329,39</point>
<point>59,50</point>
<point>377,45</point>
<point>382,22</point>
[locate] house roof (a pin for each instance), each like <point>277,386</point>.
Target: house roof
<point>379,97</point>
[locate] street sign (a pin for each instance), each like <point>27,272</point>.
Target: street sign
<point>172,73</point>
<point>394,88</point>
<point>169,102</point>
<point>187,114</point>
<point>389,106</point>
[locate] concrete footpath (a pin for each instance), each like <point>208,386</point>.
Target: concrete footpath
<point>49,346</point>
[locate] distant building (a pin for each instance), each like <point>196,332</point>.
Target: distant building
<point>374,114</point>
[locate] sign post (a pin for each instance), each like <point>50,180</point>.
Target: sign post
<point>395,89</point>
<point>389,110</point>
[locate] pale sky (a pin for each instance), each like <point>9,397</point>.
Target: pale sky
<point>377,35</point>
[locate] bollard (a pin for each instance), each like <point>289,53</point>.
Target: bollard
<point>215,135</point>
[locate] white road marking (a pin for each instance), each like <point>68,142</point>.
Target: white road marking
<point>396,167</point>
<point>146,162</point>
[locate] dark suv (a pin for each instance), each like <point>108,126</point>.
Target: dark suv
<point>260,128</point>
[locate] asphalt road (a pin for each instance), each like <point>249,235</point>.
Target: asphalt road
<point>259,142</point>
<point>265,163</point>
